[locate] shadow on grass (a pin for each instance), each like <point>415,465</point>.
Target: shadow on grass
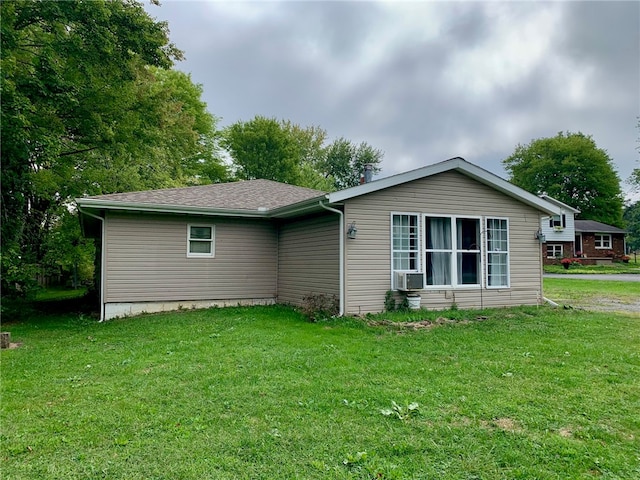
<point>16,311</point>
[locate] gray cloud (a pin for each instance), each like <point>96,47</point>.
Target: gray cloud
<point>422,81</point>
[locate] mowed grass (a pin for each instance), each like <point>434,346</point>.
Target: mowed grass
<point>609,295</point>
<point>631,267</point>
<point>260,393</point>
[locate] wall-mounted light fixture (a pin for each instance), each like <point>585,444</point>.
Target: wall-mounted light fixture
<point>352,231</point>
<point>541,236</point>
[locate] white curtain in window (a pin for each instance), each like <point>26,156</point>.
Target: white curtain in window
<point>440,237</point>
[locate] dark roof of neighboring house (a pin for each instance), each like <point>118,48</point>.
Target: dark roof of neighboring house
<point>250,195</point>
<point>596,227</point>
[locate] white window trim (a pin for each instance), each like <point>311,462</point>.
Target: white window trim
<point>419,259</point>
<point>212,241</point>
<point>602,235</point>
<point>554,245</point>
<point>486,253</point>
<point>454,251</point>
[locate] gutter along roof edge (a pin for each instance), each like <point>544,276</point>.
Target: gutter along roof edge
<point>280,212</point>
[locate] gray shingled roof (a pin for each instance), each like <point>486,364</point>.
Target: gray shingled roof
<point>244,195</point>
<point>596,227</point>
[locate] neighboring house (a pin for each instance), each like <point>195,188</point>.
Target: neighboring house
<point>456,233</point>
<point>599,242</point>
<point>559,232</point>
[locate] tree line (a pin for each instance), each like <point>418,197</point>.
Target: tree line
<point>91,104</point>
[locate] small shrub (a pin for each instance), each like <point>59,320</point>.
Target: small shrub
<point>319,306</point>
<point>404,304</point>
<point>389,301</point>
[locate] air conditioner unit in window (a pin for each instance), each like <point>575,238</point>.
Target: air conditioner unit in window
<point>409,281</point>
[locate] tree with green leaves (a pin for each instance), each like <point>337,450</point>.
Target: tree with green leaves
<point>263,148</point>
<point>89,106</point>
<point>286,152</point>
<point>632,218</point>
<point>344,162</point>
<point>571,168</point>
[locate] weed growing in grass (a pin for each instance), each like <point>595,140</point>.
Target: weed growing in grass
<point>399,412</point>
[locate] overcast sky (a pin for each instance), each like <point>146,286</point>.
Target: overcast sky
<point>422,81</point>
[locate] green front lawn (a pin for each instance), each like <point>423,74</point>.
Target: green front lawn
<point>261,393</point>
<point>615,267</point>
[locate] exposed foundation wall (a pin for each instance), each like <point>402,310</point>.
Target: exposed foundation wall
<point>127,309</point>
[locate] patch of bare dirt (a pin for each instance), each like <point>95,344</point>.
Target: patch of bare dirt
<point>422,324</point>
<point>504,423</point>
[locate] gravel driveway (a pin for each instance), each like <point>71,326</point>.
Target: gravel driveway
<point>602,304</point>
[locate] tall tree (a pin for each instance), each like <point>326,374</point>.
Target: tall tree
<point>632,218</point>
<point>286,152</point>
<point>262,148</point>
<point>344,162</point>
<point>89,106</point>
<point>571,168</point>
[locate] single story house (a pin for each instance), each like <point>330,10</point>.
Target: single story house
<point>599,241</point>
<point>452,233</point>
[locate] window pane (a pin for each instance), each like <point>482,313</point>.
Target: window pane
<point>498,249</point>
<point>203,233</point>
<point>468,268</point>
<point>438,233</point>
<point>497,269</point>
<point>468,233</point>
<point>497,235</point>
<point>438,268</point>
<point>199,247</point>
<point>405,242</point>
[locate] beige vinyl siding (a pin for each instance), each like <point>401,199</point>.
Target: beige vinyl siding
<point>368,258</point>
<point>147,261</point>
<point>308,258</point>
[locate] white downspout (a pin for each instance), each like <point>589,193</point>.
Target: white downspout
<point>341,253</point>
<point>102,256</point>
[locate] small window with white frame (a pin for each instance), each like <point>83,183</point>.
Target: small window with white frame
<point>558,222</point>
<point>200,240</point>
<point>554,250</point>
<point>603,240</point>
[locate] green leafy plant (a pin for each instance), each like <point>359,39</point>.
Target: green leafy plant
<point>389,301</point>
<point>403,306</point>
<point>354,459</point>
<point>400,412</point>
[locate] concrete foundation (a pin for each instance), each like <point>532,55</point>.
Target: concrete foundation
<point>116,310</point>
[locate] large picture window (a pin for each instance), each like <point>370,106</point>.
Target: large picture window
<point>497,231</point>
<point>200,240</point>
<point>452,251</point>
<point>448,250</point>
<point>405,243</point>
